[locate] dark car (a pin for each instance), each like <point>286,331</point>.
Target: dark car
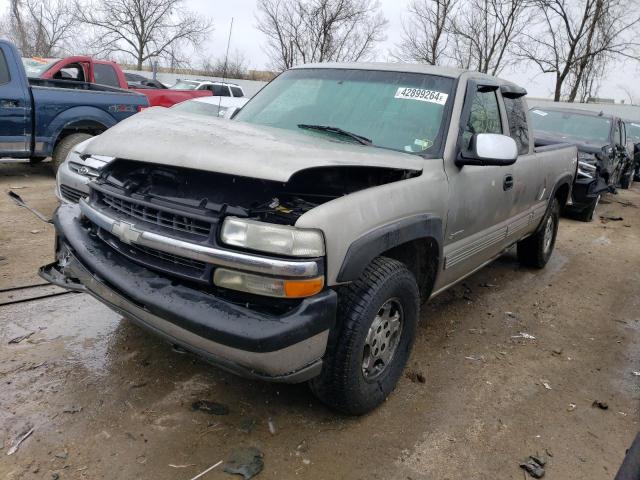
<point>633,142</point>
<point>604,160</point>
<point>135,80</point>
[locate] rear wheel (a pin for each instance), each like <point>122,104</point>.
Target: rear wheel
<point>372,340</point>
<point>64,146</point>
<point>535,251</point>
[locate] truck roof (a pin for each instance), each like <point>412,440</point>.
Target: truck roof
<point>575,111</point>
<point>399,67</point>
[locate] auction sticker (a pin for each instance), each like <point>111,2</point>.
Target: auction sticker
<point>422,94</point>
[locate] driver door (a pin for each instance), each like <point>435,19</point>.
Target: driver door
<point>15,108</point>
<point>481,198</point>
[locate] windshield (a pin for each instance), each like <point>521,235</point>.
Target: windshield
<point>571,125</point>
<point>201,108</point>
<point>399,111</point>
<point>37,66</point>
<point>182,85</point>
<point>633,131</point>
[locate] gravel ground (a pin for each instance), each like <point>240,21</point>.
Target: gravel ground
<point>106,400</point>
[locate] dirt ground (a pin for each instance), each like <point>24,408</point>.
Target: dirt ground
<point>108,401</point>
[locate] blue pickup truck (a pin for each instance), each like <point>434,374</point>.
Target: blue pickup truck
<point>47,118</point>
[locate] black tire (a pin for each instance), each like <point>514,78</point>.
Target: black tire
<point>63,148</point>
<point>535,251</point>
<point>587,214</point>
<point>343,383</point>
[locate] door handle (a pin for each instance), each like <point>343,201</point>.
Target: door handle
<point>508,182</point>
<point>9,104</point>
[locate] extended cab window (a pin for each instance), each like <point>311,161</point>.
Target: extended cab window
<point>395,110</point>
<point>484,116</point>
<point>517,118</point>
<point>105,75</point>
<point>5,77</point>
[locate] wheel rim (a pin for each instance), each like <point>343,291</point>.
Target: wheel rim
<point>382,339</point>
<point>548,234</point>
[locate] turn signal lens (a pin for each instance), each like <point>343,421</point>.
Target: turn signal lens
<point>267,286</point>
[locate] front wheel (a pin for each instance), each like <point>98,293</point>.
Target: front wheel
<point>372,341</point>
<point>65,146</point>
<point>535,251</point>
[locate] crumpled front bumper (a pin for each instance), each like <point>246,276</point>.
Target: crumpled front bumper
<point>586,191</point>
<point>286,348</point>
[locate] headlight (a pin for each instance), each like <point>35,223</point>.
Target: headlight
<point>271,287</point>
<point>267,237</point>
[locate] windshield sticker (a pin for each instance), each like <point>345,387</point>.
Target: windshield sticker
<point>423,144</point>
<point>540,112</point>
<point>422,94</point>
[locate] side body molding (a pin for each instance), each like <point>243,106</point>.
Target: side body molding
<point>363,250</point>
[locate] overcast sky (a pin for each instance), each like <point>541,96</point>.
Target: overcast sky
<point>248,40</point>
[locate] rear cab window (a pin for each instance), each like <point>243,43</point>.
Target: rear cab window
<point>220,90</point>
<point>237,92</point>
<point>105,74</point>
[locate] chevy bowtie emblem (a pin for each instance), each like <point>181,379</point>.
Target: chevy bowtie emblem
<point>125,232</point>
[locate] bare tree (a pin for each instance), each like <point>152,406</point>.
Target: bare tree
<point>233,67</point>
<point>484,33</point>
<point>425,31</point>
<point>303,31</point>
<point>40,28</point>
<point>573,35</point>
<point>143,29</point>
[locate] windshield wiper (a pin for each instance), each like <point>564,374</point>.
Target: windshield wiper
<point>326,128</point>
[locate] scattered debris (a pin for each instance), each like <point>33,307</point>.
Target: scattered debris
<point>534,466</point>
<point>637,374</point>
<point>571,407</point>
<point>272,426</point>
<point>557,351</point>
<point>133,385</point>
<point>302,447</point>
<point>609,218</point>
<point>21,338</point>
<point>212,408</point>
<point>247,425</point>
<point>306,461</point>
<point>245,461</point>
<point>546,384</point>
<point>182,466</point>
<point>207,470</point>
<point>510,315</point>
<point>35,231</point>
<point>416,377</point>
<point>19,439</point>
<point>528,336</point>
<point>488,285</point>
<point>55,476</point>
<point>71,409</point>
<point>2,258</point>
<point>600,405</point>
<point>62,455</point>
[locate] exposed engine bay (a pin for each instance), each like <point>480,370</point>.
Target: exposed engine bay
<point>222,194</point>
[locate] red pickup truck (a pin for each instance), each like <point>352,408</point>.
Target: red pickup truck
<point>87,69</point>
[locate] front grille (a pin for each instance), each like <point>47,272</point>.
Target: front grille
<point>71,194</point>
<point>158,260</point>
<point>155,215</point>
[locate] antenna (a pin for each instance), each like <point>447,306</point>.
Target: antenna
<point>226,60</point>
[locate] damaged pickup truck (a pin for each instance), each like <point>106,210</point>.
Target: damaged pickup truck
<point>296,242</point>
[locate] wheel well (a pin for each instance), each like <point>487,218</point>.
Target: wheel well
<point>422,257</point>
<point>562,194</point>
<point>85,126</point>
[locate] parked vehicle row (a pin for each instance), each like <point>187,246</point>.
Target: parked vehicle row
<point>605,155</point>
<point>297,241</point>
<point>85,69</point>
<point>47,117</point>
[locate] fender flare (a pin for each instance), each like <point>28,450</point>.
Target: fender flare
<point>76,115</point>
<point>370,245</point>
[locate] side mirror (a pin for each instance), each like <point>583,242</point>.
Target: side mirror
<point>491,149</point>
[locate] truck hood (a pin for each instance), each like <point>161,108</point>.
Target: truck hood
<point>162,136</point>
